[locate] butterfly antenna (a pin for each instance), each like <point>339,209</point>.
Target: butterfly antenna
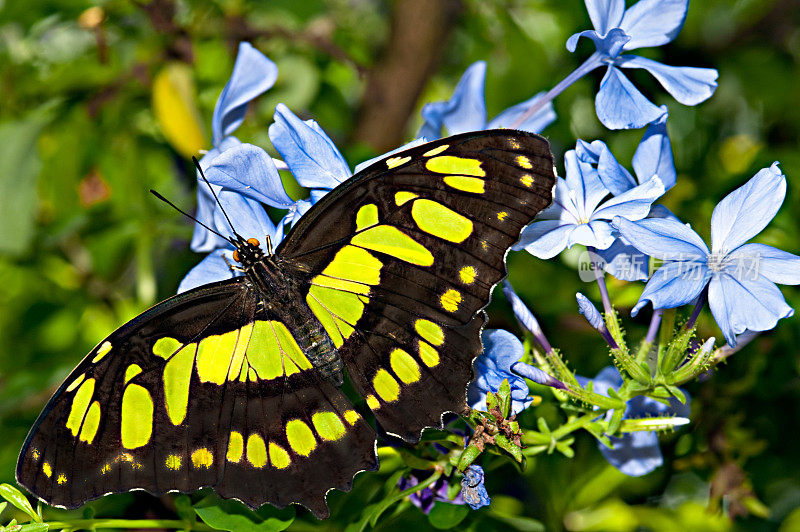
<point>168,202</point>
<point>199,169</point>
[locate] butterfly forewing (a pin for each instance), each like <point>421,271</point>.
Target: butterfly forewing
<point>411,251</point>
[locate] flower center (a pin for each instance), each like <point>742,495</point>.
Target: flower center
<point>716,261</point>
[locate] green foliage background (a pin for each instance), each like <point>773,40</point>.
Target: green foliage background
<point>84,247</point>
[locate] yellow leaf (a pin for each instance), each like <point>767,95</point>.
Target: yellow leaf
<point>175,107</point>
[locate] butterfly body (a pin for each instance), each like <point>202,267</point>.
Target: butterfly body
<point>237,385</point>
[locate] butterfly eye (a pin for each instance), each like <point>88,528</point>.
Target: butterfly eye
<point>253,241</point>
<point>236,256</point>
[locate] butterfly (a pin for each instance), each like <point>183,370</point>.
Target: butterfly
<point>242,385</point>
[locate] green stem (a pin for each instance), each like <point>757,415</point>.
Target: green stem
<point>572,426</point>
<point>91,524</point>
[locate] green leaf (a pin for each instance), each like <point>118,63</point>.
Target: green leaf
<point>15,497</point>
<point>381,507</point>
<point>234,516</point>
<point>34,527</point>
<point>445,516</point>
<point>20,165</point>
<point>470,454</point>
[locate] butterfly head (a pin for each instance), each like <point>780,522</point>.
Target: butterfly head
<point>249,251</point>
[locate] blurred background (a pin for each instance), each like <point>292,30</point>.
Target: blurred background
<point>100,102</point>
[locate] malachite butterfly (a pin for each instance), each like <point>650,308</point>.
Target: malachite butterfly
<point>238,385</point>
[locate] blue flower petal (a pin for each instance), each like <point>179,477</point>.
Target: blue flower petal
<point>605,14</point>
<point>663,238</point>
<point>211,269</point>
<point>534,123</point>
<point>521,311</point>
<point>606,378</point>
<point>545,239</point>
<point>620,105</point>
<point>634,454</point>
<point>597,233</point>
<point>743,213</point>
<point>654,154</point>
<point>465,111</point>
<point>625,262</point>
<point>776,265</point>
<point>590,312</point>
<point>247,216</point>
<point>745,303</point>
<point>608,45</point>
<point>585,189</point>
<point>252,75</point>
<point>589,152</point>
<point>688,85</point>
<point>613,175</point>
<point>250,171</point>
<point>633,204</point>
<point>654,22</point>
<point>473,490</point>
<point>674,284</point>
<point>501,350</point>
<point>311,155</point>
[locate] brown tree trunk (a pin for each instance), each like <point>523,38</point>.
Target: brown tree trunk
<point>416,41</point>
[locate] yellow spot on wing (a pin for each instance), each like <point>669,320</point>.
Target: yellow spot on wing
<point>436,151</point>
<point>35,455</point>
<point>467,184</point>
<point>214,354</point>
<point>386,386</point>
<point>80,402</point>
<point>513,143</point>
<point>326,318</point>
<point>526,180</point>
<point>202,457</point>
<point>165,347</point>
<point>524,162</point>
<point>367,216</point>
<point>467,274</point>
<point>351,416</point>
<point>502,215</point>
<point>403,196</point>
<point>300,437</point>
<point>404,366</point>
<point>177,376</point>
<point>62,479</point>
<point>256,451</point>
<point>392,241</point>
<point>137,417</point>
<point>105,469</point>
<point>91,423</point>
<point>429,331</point>
<point>392,162</point>
<point>448,164</point>
<point>242,342</point>
<point>132,371</point>
<point>235,447</point>
<point>428,354</point>
<point>440,221</point>
<point>76,382</point>
<point>105,347</point>
<point>340,284</point>
<point>355,264</point>
<point>328,425</point>
<point>450,300</point>
<point>278,456</point>
<point>173,462</point>
<point>47,470</point>
<point>373,403</point>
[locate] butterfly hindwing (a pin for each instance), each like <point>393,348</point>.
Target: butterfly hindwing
<point>209,388</point>
<point>411,249</point>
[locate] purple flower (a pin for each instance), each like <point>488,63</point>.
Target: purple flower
<point>635,453</point>
<point>473,491</point>
<point>740,277</point>
<point>581,214</point>
<point>428,496</point>
<point>466,110</point>
<point>647,23</point>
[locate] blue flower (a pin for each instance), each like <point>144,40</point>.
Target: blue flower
<point>466,110</point>
<point>472,489</point>
<point>635,453</point>
<point>619,103</point>
<point>740,277</point>
<point>253,74</point>
<point>579,215</point>
<point>653,157</point>
<point>501,350</point>
<point>428,496</point>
